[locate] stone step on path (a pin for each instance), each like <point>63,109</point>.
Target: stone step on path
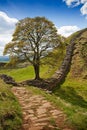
<point>38,113</point>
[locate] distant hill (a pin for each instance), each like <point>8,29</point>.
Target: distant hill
<point>4,58</point>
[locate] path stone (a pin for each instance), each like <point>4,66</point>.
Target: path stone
<point>38,113</point>
<point>41,111</point>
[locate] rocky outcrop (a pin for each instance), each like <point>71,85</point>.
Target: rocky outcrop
<point>8,79</point>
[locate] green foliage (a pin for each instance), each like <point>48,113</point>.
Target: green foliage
<point>49,65</point>
<point>72,96</point>
<point>55,57</point>
<point>12,63</point>
<point>10,112</point>
<point>33,39</point>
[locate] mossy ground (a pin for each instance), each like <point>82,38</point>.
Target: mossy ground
<point>71,97</point>
<point>10,111</point>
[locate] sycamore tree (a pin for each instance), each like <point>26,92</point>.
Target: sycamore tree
<point>33,39</point>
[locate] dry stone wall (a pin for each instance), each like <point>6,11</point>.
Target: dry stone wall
<point>59,76</point>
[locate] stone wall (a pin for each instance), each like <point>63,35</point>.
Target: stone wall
<point>2,64</point>
<point>60,75</point>
<point>8,79</point>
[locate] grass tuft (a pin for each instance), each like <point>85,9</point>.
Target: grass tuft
<point>10,111</point>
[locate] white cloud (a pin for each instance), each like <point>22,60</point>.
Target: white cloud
<point>83,1</point>
<point>73,3</point>
<point>7,26</point>
<point>67,30</point>
<point>84,9</point>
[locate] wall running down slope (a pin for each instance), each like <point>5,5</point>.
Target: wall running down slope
<point>60,75</point>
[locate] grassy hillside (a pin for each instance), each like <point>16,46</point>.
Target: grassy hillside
<point>79,61</point>
<point>10,112</point>
<point>72,99</point>
<point>72,96</point>
<point>48,66</point>
<point>73,92</point>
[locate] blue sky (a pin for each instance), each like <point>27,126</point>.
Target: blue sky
<point>55,10</point>
<point>67,15</point>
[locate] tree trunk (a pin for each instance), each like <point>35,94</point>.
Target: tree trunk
<point>37,71</point>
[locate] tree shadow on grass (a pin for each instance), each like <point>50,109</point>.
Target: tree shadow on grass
<point>70,95</point>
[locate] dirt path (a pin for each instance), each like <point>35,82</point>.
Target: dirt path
<point>38,113</point>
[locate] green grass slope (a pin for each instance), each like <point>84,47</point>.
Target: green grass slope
<point>48,66</point>
<point>73,92</point>
<point>79,62</point>
<point>10,112</point>
<point>72,96</point>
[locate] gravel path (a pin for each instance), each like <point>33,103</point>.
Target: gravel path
<point>38,113</point>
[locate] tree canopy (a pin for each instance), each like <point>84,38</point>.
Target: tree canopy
<point>33,39</point>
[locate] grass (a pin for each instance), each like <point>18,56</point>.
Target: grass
<point>10,111</point>
<point>73,94</point>
<point>21,74</point>
<point>70,98</point>
<point>74,97</point>
<point>50,64</point>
